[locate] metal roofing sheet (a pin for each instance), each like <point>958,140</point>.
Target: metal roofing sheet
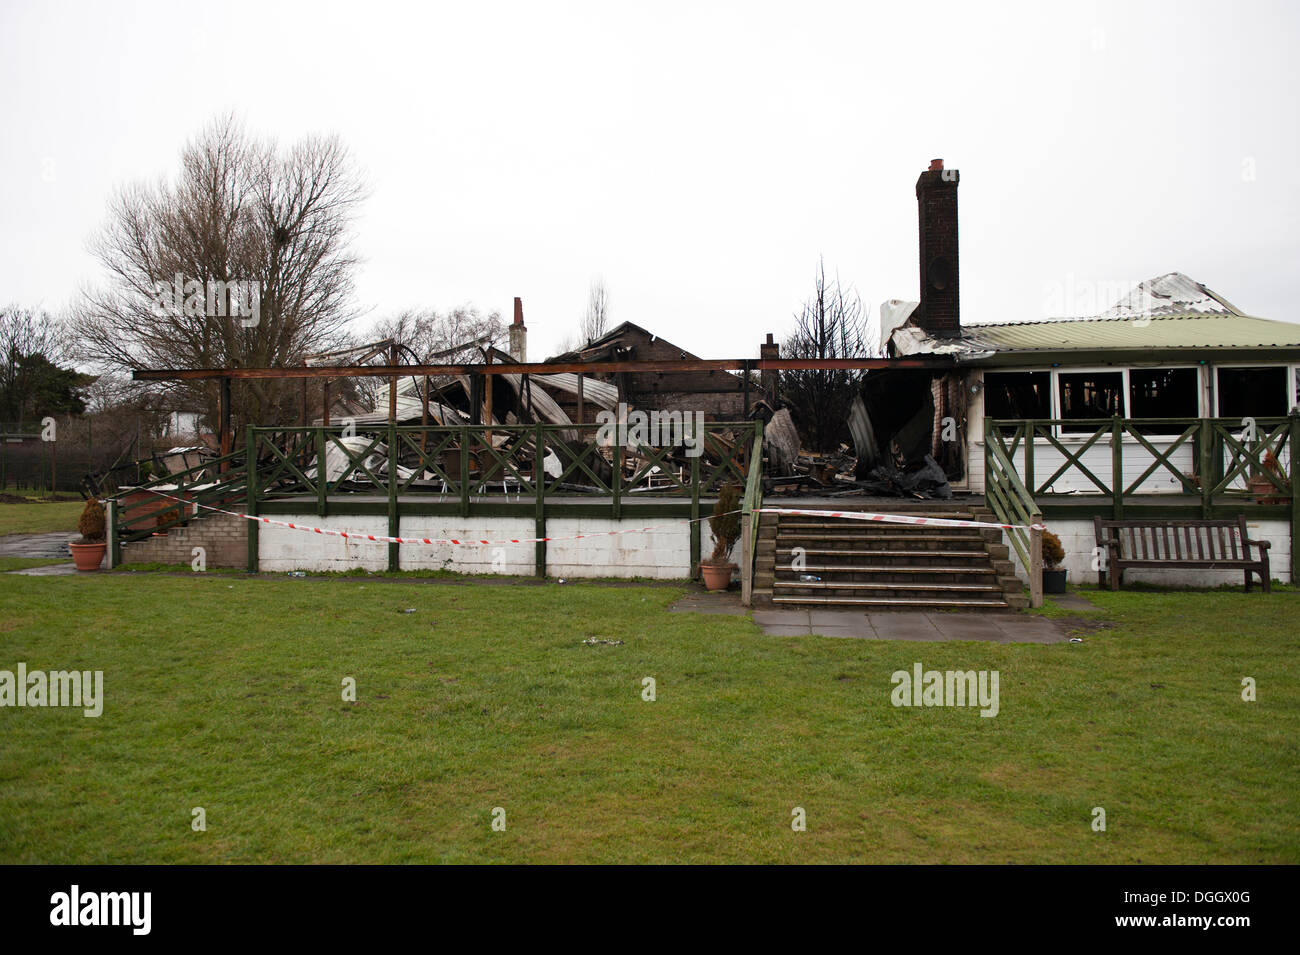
<point>1160,331</point>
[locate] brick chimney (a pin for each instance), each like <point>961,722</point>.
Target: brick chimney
<point>770,379</point>
<point>519,334</point>
<point>936,199</point>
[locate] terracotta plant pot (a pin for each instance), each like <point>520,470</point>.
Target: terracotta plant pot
<point>1264,491</point>
<point>716,576</point>
<point>88,556</point>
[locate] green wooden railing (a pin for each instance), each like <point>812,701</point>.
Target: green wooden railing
<point>140,512</point>
<point>1222,457</point>
<point>1009,499</point>
<point>1237,464</point>
<point>749,517</point>
<point>463,467</point>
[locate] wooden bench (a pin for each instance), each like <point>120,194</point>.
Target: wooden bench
<point>1217,545</point>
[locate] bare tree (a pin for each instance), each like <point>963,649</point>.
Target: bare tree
<point>437,338</point>
<point>596,322</point>
<point>830,325</point>
<point>242,214</point>
<point>452,337</point>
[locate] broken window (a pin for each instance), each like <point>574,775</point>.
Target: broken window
<point>1252,392</point>
<point>1089,396</point>
<point>1017,394</point>
<point>1162,393</point>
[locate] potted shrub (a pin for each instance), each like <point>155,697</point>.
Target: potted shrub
<point>1261,487</point>
<point>725,525</point>
<point>88,552</point>
<point>1053,557</point>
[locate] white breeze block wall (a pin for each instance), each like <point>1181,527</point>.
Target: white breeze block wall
<point>468,558</point>
<point>664,553</point>
<point>1078,538</point>
<point>281,549</point>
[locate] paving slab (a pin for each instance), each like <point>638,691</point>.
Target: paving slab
<point>920,626</point>
<point>862,632</point>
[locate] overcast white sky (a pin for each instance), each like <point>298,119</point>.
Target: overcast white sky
<point>698,156</point>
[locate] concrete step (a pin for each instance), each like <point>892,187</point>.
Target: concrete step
<point>886,554</point>
<point>891,602</point>
<point>792,586</point>
<point>842,570</point>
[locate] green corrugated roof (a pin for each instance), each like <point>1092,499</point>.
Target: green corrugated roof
<point>1164,331</point>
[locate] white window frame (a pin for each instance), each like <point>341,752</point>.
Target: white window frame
<point>1291,373</point>
<point>1055,399</point>
<point>1200,390</point>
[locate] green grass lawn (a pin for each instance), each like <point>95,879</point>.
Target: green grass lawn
<point>225,693</point>
<point>40,517</point>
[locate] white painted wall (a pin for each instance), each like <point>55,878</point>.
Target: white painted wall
<point>282,549</point>
<point>663,553</point>
<point>1078,539</point>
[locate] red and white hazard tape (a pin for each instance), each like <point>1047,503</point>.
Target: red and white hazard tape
<point>895,518</point>
<point>384,539</point>
<point>789,511</point>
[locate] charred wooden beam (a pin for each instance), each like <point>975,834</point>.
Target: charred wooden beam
<point>544,368</point>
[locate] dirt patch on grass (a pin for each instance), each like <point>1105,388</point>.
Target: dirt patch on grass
<point>1084,624</point>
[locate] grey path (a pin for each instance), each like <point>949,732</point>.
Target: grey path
<point>37,545</point>
<point>50,570</point>
<point>920,626</point>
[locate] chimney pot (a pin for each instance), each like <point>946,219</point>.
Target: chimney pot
<point>936,165</point>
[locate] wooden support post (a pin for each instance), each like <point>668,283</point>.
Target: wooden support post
<point>325,401</point>
<point>322,473</point>
<point>1207,467</point>
<point>394,521</point>
<point>539,500</point>
<point>695,511</point>
<point>1117,467</point>
<point>476,400</point>
<point>392,386</point>
<point>745,387</point>
<point>464,471</point>
<point>250,481</point>
<point>1294,477</point>
<point>114,541</point>
<point>1030,429</point>
<point>1036,560</point>
<point>227,439</point>
<point>618,477</point>
<point>582,417</point>
<point>487,398</point>
<point>424,417</point>
<point>302,417</point>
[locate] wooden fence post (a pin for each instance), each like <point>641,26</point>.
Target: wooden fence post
<point>1207,467</point>
<point>1117,467</point>
<point>1036,560</point>
<point>394,521</point>
<point>250,482</point>
<point>539,511</point>
<point>1295,493</point>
